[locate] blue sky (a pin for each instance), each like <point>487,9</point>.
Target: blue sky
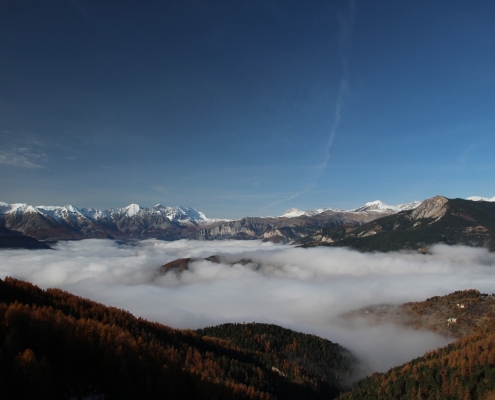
<point>246,107</point>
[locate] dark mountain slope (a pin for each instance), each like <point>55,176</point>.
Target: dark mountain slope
<point>57,345</point>
<point>436,220</point>
<point>21,242</point>
<point>293,351</point>
<point>10,239</point>
<point>462,370</point>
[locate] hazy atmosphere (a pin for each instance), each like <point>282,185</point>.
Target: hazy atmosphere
<point>302,289</point>
<point>246,107</point>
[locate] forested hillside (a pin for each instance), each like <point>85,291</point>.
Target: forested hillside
<point>299,356</point>
<point>462,370</point>
<point>456,315</point>
<point>56,345</point>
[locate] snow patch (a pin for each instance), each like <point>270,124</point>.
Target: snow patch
<point>479,198</point>
<point>372,206</point>
<point>71,213</point>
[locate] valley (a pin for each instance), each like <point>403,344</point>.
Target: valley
<point>258,318</point>
<point>115,355</point>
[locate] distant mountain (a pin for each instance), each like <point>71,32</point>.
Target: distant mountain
<point>479,198</point>
<point>14,240</point>
<point>51,223</point>
<point>66,213</point>
<point>435,220</point>
<point>133,221</point>
<point>171,223</point>
<point>296,224</point>
<point>282,229</point>
<point>376,205</point>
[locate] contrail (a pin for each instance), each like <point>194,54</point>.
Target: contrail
<point>346,23</point>
<point>345,41</point>
<point>277,202</point>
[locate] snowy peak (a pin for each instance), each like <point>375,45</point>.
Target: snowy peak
<point>292,213</point>
<point>376,205</point>
<point>182,213</point>
<point>372,206</point>
<point>16,207</point>
<point>71,213</point>
<point>409,206</point>
<point>479,198</point>
<point>379,206</point>
<point>132,209</point>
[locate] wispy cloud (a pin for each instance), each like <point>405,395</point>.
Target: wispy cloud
<point>23,157</point>
<point>161,189</point>
<point>22,150</point>
<point>466,154</point>
<point>285,199</point>
<point>346,23</point>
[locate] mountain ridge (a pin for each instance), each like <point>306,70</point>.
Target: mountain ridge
<point>376,205</point>
<point>435,220</point>
<point>52,223</point>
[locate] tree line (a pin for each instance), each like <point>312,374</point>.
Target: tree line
<point>57,345</point>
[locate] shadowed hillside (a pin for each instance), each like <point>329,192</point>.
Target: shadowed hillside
<point>56,345</point>
<point>294,353</point>
<point>462,370</point>
<point>436,220</point>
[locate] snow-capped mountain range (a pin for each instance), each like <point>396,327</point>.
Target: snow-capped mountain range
<point>172,223</point>
<point>185,214</point>
<point>377,206</point>
<point>133,221</point>
<point>372,206</point>
<point>179,214</point>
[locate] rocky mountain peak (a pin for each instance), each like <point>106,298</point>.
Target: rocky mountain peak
<point>434,207</point>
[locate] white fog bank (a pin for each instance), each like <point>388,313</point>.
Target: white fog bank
<point>301,289</point>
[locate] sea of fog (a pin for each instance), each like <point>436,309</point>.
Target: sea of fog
<point>301,289</point>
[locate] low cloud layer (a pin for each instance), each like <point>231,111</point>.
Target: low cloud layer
<point>301,289</point>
